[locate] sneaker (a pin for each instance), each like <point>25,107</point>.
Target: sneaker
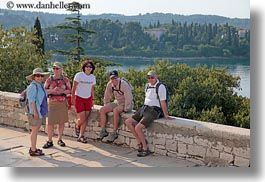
<point>61,143</point>
<point>113,136</point>
<point>103,134</point>
<point>48,144</point>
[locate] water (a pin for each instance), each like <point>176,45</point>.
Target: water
<point>237,67</point>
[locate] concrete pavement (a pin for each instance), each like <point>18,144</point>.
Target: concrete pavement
<point>14,146</point>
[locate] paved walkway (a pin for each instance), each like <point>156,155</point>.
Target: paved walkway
<point>14,146</point>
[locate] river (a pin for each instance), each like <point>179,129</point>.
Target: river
<point>237,67</point>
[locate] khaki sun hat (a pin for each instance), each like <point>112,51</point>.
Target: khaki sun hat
<point>57,64</point>
<point>38,71</point>
<point>152,73</point>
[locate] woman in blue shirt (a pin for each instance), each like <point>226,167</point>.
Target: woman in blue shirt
<point>38,107</point>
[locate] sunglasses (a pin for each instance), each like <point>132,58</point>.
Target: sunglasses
<point>114,78</point>
<point>55,68</point>
<point>88,66</point>
<point>150,77</point>
<point>38,75</point>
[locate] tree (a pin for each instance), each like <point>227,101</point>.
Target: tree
<point>18,57</point>
<point>131,39</point>
<point>158,24</point>
<point>201,93</point>
<point>38,38</point>
<point>75,36</point>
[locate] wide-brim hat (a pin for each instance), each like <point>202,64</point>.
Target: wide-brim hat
<point>38,71</point>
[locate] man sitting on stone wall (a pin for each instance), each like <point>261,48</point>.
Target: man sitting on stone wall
<point>122,92</point>
<point>151,110</point>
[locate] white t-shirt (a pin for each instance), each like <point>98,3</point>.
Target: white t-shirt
<point>151,96</point>
<point>85,83</point>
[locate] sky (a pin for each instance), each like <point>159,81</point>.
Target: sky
<point>227,8</point>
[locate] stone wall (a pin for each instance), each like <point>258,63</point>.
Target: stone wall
<point>204,143</point>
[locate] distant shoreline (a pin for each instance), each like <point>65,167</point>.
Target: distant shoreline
<point>169,58</point>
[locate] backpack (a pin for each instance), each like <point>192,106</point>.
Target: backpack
<point>167,94</point>
<point>69,97</point>
<point>119,90</point>
<point>57,83</point>
<point>52,79</point>
<point>23,99</point>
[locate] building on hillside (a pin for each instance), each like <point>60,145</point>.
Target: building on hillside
<point>156,32</point>
<point>242,33</point>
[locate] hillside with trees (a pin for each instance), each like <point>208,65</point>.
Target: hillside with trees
<point>11,18</point>
<point>120,35</point>
<point>175,39</point>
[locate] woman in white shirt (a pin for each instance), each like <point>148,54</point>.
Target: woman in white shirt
<point>83,97</point>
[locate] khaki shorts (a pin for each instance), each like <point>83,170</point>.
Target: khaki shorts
<point>57,112</point>
<point>115,104</point>
<point>146,115</point>
<point>39,122</point>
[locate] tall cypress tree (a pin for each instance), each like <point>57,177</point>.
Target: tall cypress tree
<point>73,23</point>
<point>38,38</point>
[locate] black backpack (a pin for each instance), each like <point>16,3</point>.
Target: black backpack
<point>167,94</point>
<point>23,99</point>
<point>119,90</point>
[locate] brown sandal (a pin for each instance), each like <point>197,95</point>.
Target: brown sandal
<point>144,153</point>
<point>82,139</point>
<point>140,146</point>
<point>77,130</point>
<point>37,152</point>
